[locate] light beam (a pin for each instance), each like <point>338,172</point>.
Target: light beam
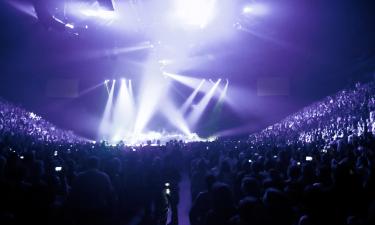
<point>153,88</point>
<point>198,111</point>
<point>190,99</point>
<point>106,120</point>
<point>123,113</point>
<point>174,116</point>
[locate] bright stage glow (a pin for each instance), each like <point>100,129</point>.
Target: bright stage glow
<point>154,137</point>
<point>165,62</point>
<point>199,109</point>
<point>247,9</point>
<point>195,12</point>
<point>191,82</point>
<point>257,9</point>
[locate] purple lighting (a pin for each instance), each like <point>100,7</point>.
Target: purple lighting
<point>199,109</point>
<point>190,99</point>
<point>195,12</point>
<point>106,122</point>
<point>257,9</point>
<point>127,118</point>
<point>247,9</point>
<point>68,25</point>
<point>90,10</point>
<point>103,14</point>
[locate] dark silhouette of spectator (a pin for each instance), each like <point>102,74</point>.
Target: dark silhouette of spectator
<point>202,203</point>
<point>250,187</point>
<point>92,197</point>
<point>277,206</point>
<point>223,208</point>
<point>250,212</point>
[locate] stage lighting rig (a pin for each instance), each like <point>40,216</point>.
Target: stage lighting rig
<point>45,17</point>
<point>107,5</point>
<point>68,16</point>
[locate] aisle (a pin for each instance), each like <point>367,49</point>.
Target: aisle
<point>185,200</point>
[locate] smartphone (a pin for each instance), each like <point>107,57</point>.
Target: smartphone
<point>324,150</point>
<point>55,153</point>
<point>167,184</point>
<point>298,163</point>
<point>309,158</point>
<point>58,168</point>
<point>21,157</point>
<point>275,156</point>
<point>250,161</point>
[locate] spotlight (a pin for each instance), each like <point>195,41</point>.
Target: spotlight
<point>258,9</point>
<point>69,25</point>
<point>247,9</point>
<point>106,81</point>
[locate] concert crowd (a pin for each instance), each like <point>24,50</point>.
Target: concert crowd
<point>316,166</point>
